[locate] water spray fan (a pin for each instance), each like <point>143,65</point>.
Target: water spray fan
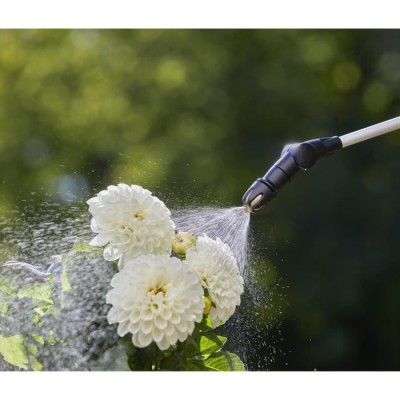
<point>302,156</point>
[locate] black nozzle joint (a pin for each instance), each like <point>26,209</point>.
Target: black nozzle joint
<point>293,158</point>
<point>306,154</point>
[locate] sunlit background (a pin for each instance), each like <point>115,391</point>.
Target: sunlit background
<point>197,115</point>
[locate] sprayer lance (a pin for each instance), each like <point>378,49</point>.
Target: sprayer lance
<point>295,157</point>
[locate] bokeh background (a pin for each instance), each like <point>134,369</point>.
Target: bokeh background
<point>196,116</point>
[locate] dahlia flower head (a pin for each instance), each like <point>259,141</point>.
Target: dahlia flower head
<point>156,298</point>
<point>129,222</point>
<point>214,263</point>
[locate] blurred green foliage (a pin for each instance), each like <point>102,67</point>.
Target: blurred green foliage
<point>196,116</point>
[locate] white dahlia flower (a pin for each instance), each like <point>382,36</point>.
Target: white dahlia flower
<point>218,271</point>
<point>131,222</point>
<point>157,299</point>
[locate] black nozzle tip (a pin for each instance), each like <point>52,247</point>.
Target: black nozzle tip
<point>258,196</point>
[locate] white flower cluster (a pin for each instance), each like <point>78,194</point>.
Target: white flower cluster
<point>219,274</point>
<point>130,222</point>
<point>155,297</point>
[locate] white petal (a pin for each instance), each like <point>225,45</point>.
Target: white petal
<point>93,200</point>
<point>134,316</point>
<point>93,226</point>
<point>123,328</point>
<point>182,336</point>
<point>143,339</point>
<point>146,314</point>
<point>146,326</point>
<point>163,344</point>
<point>166,313</point>
<point>134,327</point>
<point>111,253</point>
<point>176,318</point>
<point>173,338</point>
<point>169,329</point>
<point>112,316</point>
<point>182,327</point>
<point>160,322</point>
<point>157,334</point>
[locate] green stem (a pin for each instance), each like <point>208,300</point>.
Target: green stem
<point>157,359</point>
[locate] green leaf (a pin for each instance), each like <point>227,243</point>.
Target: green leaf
<point>13,351</point>
<point>4,302</point>
<point>41,310</point>
<point>224,361</point>
<point>211,343</point>
<point>6,287</point>
<point>32,348</point>
<point>36,320</point>
<point>205,325</point>
<point>195,366</point>
<point>65,284</point>
<point>51,341</point>
<point>36,365</point>
<point>192,347</point>
<point>37,291</point>
<point>3,307</point>
<point>38,338</point>
<point>81,246</point>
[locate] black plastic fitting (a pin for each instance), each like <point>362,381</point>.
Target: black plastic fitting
<point>293,158</point>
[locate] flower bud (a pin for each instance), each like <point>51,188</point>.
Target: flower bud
<point>183,241</point>
<point>207,305</point>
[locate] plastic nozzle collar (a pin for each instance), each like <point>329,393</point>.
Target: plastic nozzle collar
<point>293,158</point>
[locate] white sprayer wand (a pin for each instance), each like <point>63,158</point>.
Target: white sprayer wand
<point>370,132</point>
<point>298,156</point>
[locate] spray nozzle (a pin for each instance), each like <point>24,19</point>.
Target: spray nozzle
<point>293,158</point>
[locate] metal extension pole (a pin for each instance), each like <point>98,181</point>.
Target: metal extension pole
<point>370,132</point>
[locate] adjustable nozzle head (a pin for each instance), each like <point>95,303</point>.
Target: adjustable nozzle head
<point>293,158</point>
<point>264,189</point>
<point>258,196</point>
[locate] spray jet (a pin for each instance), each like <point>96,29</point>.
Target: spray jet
<point>298,156</point>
